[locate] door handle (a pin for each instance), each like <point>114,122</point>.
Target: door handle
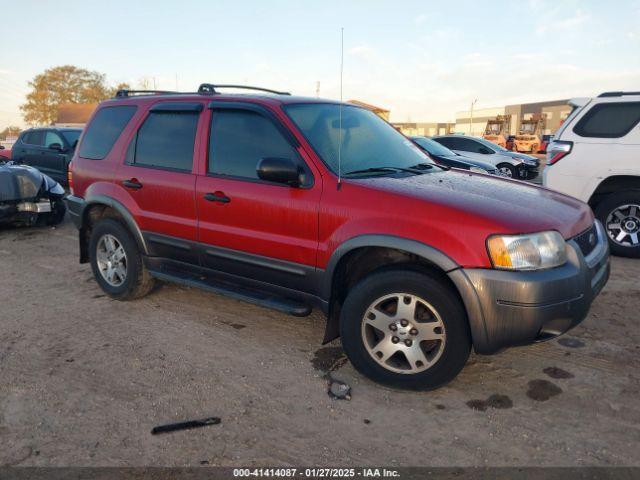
<point>133,184</point>
<point>217,197</point>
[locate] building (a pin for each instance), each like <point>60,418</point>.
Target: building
<point>74,114</point>
<point>555,112</point>
<point>381,112</point>
<point>424,129</point>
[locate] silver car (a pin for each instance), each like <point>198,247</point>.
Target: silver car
<point>510,164</point>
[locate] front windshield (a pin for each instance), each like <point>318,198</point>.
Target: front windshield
<point>71,135</point>
<point>366,141</point>
<point>433,147</point>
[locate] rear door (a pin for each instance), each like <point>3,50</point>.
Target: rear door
<point>253,228</point>
<point>158,175</point>
<point>29,148</point>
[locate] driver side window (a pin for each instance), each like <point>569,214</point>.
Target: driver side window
<point>52,137</point>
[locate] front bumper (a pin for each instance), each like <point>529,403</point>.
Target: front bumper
<point>517,308</point>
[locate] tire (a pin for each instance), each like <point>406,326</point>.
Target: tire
<point>622,203</point>
<point>441,305</point>
<point>508,170</point>
<point>136,281</point>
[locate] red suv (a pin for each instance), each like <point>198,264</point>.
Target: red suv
<point>294,203</point>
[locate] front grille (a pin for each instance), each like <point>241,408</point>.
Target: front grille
<point>587,240</point>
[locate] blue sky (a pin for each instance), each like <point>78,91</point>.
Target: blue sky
<point>424,60</point>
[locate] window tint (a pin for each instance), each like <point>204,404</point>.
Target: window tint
<point>71,136</point>
<point>468,145</point>
<point>52,137</point>
<point>609,120</point>
<point>35,137</point>
<point>104,130</point>
<point>447,142</point>
<point>166,140</point>
<point>240,139</point>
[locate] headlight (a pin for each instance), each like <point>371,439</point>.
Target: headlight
<point>478,170</point>
<point>535,251</point>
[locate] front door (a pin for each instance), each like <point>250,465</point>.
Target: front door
<point>252,228</point>
<point>53,161</point>
<point>157,175</point>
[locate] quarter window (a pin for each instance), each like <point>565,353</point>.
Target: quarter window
<point>166,140</point>
<point>609,120</point>
<point>239,139</point>
<point>35,137</point>
<point>104,130</point>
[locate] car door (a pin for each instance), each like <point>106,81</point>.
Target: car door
<point>53,159</point>
<point>252,228</point>
<point>28,148</point>
<point>472,149</point>
<point>157,175</point>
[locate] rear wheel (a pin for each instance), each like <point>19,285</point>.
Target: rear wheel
<point>117,263</point>
<point>620,215</point>
<point>507,170</point>
<point>405,329</point>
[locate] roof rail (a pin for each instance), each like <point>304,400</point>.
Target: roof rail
<point>210,89</point>
<point>127,93</point>
<point>617,94</point>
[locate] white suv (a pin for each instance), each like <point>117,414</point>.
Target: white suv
<point>595,156</point>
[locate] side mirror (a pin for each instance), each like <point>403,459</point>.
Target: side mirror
<point>279,170</point>
<point>55,146</point>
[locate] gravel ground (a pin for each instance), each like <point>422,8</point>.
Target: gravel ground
<point>84,379</point>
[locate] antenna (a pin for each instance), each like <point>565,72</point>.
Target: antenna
<point>340,109</point>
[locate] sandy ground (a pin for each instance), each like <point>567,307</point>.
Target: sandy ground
<point>84,379</point>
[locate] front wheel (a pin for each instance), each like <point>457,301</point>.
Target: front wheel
<point>405,329</point>
<point>507,170</point>
<point>620,215</point>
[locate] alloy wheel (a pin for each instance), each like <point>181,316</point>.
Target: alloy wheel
<point>623,225</point>
<point>505,172</point>
<point>403,333</point>
<point>112,260</point>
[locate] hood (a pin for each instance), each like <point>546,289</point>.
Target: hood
<point>19,182</point>
<point>506,206</point>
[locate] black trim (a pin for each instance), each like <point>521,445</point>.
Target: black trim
<point>171,242</point>
<point>578,129</point>
<point>280,265</point>
<point>617,94</point>
<point>177,107</point>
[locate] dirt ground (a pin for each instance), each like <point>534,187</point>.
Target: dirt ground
<point>84,379</point>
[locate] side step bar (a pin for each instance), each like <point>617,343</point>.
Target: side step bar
<point>239,292</point>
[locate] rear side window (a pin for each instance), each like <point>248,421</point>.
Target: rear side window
<point>240,139</point>
<point>52,137</point>
<point>35,137</point>
<point>609,120</point>
<point>104,130</point>
<point>165,140</point>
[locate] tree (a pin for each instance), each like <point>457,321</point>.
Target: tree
<point>63,84</point>
<point>9,132</point>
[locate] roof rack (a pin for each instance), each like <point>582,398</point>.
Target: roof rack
<point>210,89</point>
<point>617,94</point>
<point>128,93</point>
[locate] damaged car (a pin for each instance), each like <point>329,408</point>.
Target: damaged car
<point>28,197</point>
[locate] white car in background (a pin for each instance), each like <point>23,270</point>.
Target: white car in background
<point>509,164</point>
<point>595,156</point>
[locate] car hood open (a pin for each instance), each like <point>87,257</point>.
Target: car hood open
<point>509,206</point>
<point>19,182</point>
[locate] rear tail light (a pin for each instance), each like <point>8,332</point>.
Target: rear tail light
<point>70,177</point>
<point>557,150</point>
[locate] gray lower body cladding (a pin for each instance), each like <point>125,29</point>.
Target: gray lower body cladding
<point>516,308</point>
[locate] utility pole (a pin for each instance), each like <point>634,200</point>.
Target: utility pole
<point>471,118</point>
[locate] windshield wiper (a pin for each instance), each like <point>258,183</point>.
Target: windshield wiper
<point>427,166</point>
<point>384,169</point>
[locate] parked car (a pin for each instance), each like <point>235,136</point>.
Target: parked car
<point>546,140</point>
<point>444,156</point>
<point>48,149</point>
<point>294,203</point>
<point>27,197</point>
<point>5,153</point>
<point>509,164</point>
<point>595,156</point>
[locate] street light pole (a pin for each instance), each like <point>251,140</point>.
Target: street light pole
<point>471,118</point>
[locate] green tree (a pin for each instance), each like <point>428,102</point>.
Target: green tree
<point>63,84</point>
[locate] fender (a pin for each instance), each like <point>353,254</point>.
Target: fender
<point>433,255</point>
<point>124,213</point>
